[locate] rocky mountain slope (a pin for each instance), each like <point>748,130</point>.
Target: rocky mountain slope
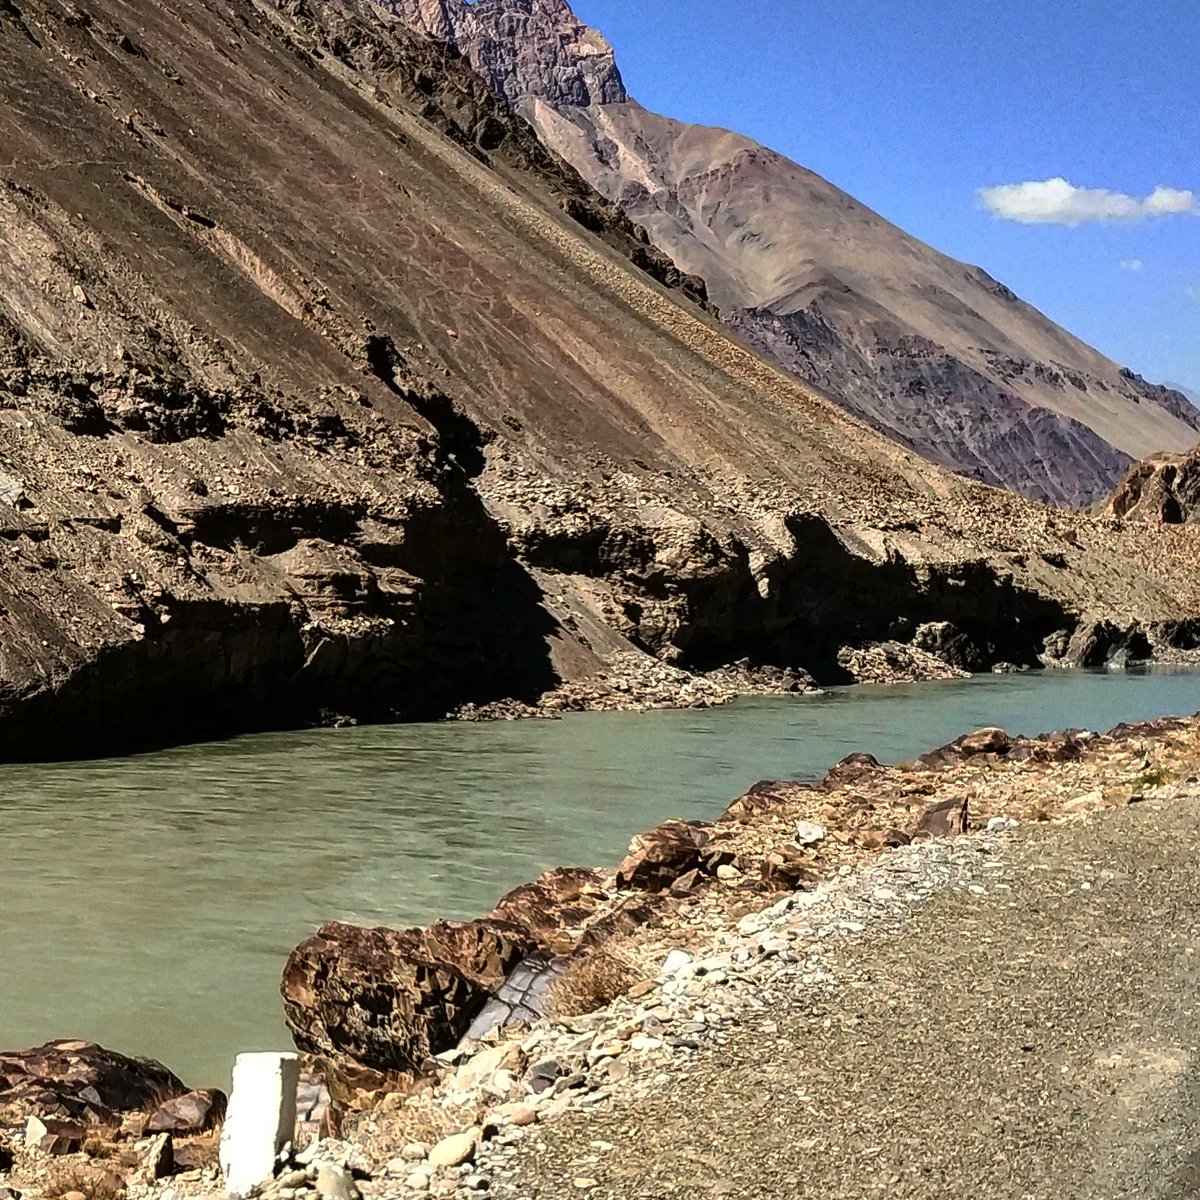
<point>933,352</point>
<point>1164,489</point>
<point>325,391</point>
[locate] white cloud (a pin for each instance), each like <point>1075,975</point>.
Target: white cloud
<point>1057,202</point>
<point>1131,266</point>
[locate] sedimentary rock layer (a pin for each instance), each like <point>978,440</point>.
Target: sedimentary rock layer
<point>326,392</point>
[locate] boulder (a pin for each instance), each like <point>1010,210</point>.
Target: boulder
<point>81,1082</point>
<point>946,818</point>
<point>193,1112</point>
<point>984,741</point>
<point>851,769</point>
<point>388,999</point>
<point>657,858</point>
<point>559,900</point>
<point>946,641</point>
<point>1098,643</point>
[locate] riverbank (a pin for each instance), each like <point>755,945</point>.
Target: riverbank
<point>708,954</point>
<point>674,1087</point>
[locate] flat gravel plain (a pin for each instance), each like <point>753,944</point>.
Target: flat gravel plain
<point>1034,1039</point>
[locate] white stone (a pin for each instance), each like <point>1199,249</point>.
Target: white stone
<point>809,833</point>
<point>455,1150</point>
<point>677,960</point>
<point>334,1182</point>
<point>260,1120</point>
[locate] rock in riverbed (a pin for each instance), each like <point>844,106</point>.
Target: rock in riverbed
<point>81,1082</point>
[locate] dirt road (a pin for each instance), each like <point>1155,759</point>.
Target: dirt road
<point>1031,1039</point>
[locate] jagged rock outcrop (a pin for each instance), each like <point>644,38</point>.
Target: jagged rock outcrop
<point>81,1082</point>
<point>933,352</point>
<point>1164,489</point>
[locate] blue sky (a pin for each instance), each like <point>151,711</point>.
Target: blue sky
<point>913,107</point>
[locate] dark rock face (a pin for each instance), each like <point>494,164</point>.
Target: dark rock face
<point>511,49</point>
<point>389,999</point>
<point>1164,490</point>
<point>81,1082</point>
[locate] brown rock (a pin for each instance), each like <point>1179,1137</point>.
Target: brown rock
<point>193,1112</point>
<point>553,903</point>
<point>80,1081</point>
<point>386,999</point>
<point>764,796</point>
<point>946,818</point>
<point>852,769</point>
<point>1164,490</point>
<point>657,858</point>
<point>984,741</point>
<point>687,883</point>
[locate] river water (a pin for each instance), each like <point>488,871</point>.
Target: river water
<point>149,902</point>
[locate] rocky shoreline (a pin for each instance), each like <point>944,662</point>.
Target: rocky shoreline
<point>626,973</point>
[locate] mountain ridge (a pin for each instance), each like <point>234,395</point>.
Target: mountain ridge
<point>327,393</point>
<point>935,353</point>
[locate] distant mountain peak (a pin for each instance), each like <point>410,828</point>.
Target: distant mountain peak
<point>935,353</point>
<point>525,49</point>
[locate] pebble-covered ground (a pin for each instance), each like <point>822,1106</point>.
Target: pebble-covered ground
<point>1010,1016</point>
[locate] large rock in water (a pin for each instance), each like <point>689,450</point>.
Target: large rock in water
<point>81,1082</point>
<point>388,999</point>
<point>381,1001</point>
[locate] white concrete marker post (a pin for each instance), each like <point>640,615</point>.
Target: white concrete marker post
<point>260,1120</point>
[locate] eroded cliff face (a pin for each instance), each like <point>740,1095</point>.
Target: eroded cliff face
<point>928,350</point>
<point>326,391</point>
<point>1165,489</point>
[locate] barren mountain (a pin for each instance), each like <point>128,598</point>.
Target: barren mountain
<point>325,391</point>
<point>933,352</point>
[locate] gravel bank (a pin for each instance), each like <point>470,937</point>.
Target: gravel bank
<point>1024,1031</point>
